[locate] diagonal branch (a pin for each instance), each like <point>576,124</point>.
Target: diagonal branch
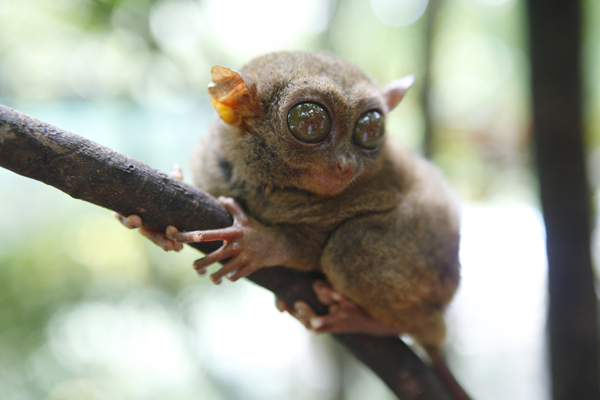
<point>93,173</point>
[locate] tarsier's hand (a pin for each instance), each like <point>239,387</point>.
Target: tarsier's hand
<point>249,245</point>
<point>344,316</point>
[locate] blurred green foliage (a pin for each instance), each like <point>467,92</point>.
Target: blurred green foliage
<point>89,310</point>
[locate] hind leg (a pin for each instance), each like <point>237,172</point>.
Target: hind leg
<point>400,278</point>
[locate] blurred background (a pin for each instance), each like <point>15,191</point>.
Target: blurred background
<point>89,310</point>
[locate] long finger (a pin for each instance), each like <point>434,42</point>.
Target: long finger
<point>228,269</point>
<point>325,323</point>
<point>221,253</point>
<point>243,272</point>
<point>318,323</point>
<point>326,294</point>
<point>159,239</point>
<point>234,209</point>
<point>226,234</point>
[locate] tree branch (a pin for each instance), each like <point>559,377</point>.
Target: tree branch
<point>93,173</point>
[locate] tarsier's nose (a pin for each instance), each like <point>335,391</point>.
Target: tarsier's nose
<point>344,169</point>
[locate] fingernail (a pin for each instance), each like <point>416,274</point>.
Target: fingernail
<point>337,297</point>
<point>299,309</point>
<point>201,271</point>
<point>316,323</point>
<point>170,231</point>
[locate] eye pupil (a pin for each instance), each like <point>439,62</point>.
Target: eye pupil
<point>309,122</point>
<point>369,130</point>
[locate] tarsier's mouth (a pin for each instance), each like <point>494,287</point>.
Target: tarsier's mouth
<point>329,181</point>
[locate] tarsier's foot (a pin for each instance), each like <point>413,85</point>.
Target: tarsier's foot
<point>158,238</point>
<point>249,245</point>
<point>344,316</point>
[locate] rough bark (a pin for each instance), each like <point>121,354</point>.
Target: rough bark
<point>93,173</point>
<point>555,47</point>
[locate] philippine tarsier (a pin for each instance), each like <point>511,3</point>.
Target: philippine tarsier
<point>302,161</point>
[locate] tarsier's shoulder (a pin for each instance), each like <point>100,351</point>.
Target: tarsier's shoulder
<point>406,169</point>
<point>421,186</point>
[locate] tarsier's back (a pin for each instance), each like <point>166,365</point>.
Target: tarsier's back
<point>301,145</point>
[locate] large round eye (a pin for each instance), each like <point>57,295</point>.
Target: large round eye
<point>309,122</point>
<point>369,130</point>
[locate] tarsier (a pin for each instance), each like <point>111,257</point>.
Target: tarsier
<point>302,161</point>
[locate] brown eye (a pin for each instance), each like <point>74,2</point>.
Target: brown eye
<point>369,130</point>
<point>309,122</point>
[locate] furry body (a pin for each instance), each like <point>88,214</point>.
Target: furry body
<point>381,224</point>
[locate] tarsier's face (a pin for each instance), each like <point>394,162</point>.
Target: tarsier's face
<point>310,123</point>
<point>332,133</point>
<point>319,116</point>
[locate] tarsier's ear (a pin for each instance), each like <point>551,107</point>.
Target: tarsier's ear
<point>394,91</point>
<point>234,95</point>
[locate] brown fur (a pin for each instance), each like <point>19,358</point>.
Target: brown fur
<point>388,240</point>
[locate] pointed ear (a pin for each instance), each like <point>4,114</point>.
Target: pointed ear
<point>394,91</point>
<point>234,95</point>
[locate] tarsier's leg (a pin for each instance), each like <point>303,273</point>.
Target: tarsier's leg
<point>380,263</point>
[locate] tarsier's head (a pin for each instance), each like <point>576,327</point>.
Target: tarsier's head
<point>312,121</point>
